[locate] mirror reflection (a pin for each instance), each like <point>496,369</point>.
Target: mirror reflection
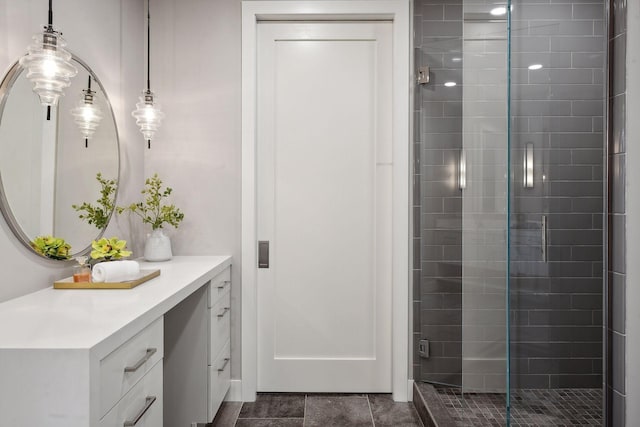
<point>49,165</point>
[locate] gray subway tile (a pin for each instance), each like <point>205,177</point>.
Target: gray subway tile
<point>588,11</point>
<point>617,177</point>
<point>530,381</point>
<point>617,243</point>
<point>453,12</point>
<point>530,44</point>
<point>576,140</point>
<point>541,108</point>
<point>575,237</point>
<point>561,76</point>
<point>618,410</point>
<point>617,302</point>
<point>586,253</point>
<point>548,60</point>
<point>576,92</point>
<point>587,204</point>
<point>618,16</point>
<point>543,11</point>
<point>575,381</point>
<point>568,189</point>
<point>586,302</point>
<point>587,108</point>
<point>587,60</point>
<point>618,124</point>
<point>560,318</point>
<point>587,157</point>
<point>442,333</point>
<point>431,12</point>
<point>618,58</point>
<point>618,362</point>
<point>578,44</point>
<point>560,28</point>
<point>560,366</point>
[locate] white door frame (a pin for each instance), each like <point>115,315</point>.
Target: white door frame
<point>397,11</point>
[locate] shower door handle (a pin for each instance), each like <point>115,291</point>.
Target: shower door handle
<point>263,254</point>
<point>543,238</point>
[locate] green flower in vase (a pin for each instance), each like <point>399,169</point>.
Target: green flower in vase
<point>51,247</point>
<point>109,249</point>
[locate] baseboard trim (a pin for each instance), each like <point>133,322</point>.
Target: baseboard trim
<point>235,392</point>
<point>410,390</point>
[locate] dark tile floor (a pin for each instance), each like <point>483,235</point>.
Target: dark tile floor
<point>531,408</point>
<point>318,410</point>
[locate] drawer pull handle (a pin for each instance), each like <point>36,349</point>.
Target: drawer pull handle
<point>224,284</point>
<point>149,401</point>
<point>150,352</point>
<point>223,312</point>
<point>226,362</point>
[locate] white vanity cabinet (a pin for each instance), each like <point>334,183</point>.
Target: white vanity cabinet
<point>219,371</point>
<point>96,358</point>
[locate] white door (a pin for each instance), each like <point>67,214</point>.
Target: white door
<point>324,180</point>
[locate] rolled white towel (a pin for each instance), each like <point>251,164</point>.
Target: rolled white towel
<point>115,271</point>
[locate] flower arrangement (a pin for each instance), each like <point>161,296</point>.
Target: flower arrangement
<point>99,215</point>
<point>152,211</point>
<point>51,247</point>
<point>109,249</point>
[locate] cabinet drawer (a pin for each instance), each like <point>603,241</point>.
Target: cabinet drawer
<point>142,405</point>
<point>219,380</point>
<point>123,368</point>
<point>219,326</point>
<point>220,285</point>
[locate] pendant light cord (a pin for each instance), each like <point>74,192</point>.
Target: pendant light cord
<point>50,14</point>
<point>148,46</point>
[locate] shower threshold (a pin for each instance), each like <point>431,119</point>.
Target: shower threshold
<point>449,407</point>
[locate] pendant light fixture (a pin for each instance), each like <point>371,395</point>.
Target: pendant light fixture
<point>48,65</point>
<point>87,115</point>
<point>147,114</point>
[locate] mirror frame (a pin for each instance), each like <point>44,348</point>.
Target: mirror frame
<point>5,89</point>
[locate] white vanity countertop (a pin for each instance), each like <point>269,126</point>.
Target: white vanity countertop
<point>100,320</point>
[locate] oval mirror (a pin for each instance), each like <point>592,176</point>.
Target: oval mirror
<point>48,168</point>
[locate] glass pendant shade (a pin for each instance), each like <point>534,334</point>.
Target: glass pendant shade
<point>48,66</point>
<point>148,115</point>
<point>86,114</point>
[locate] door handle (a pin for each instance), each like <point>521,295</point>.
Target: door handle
<point>263,254</point>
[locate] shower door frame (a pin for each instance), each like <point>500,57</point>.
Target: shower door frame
<point>399,14</point>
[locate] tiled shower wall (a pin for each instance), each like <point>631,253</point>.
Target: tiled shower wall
<point>437,197</point>
<point>556,305</point>
<point>616,265</point>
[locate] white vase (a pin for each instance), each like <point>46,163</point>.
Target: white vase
<point>158,246</point>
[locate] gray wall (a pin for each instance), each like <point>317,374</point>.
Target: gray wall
<point>197,150</point>
<point>615,327</point>
<point>632,209</point>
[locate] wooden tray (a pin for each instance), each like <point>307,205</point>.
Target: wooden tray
<point>68,283</point>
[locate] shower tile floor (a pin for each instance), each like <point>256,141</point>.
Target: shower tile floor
<point>531,408</point>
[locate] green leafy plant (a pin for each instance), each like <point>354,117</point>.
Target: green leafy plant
<point>98,215</point>
<point>152,210</point>
<point>109,249</point>
<point>51,247</point>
